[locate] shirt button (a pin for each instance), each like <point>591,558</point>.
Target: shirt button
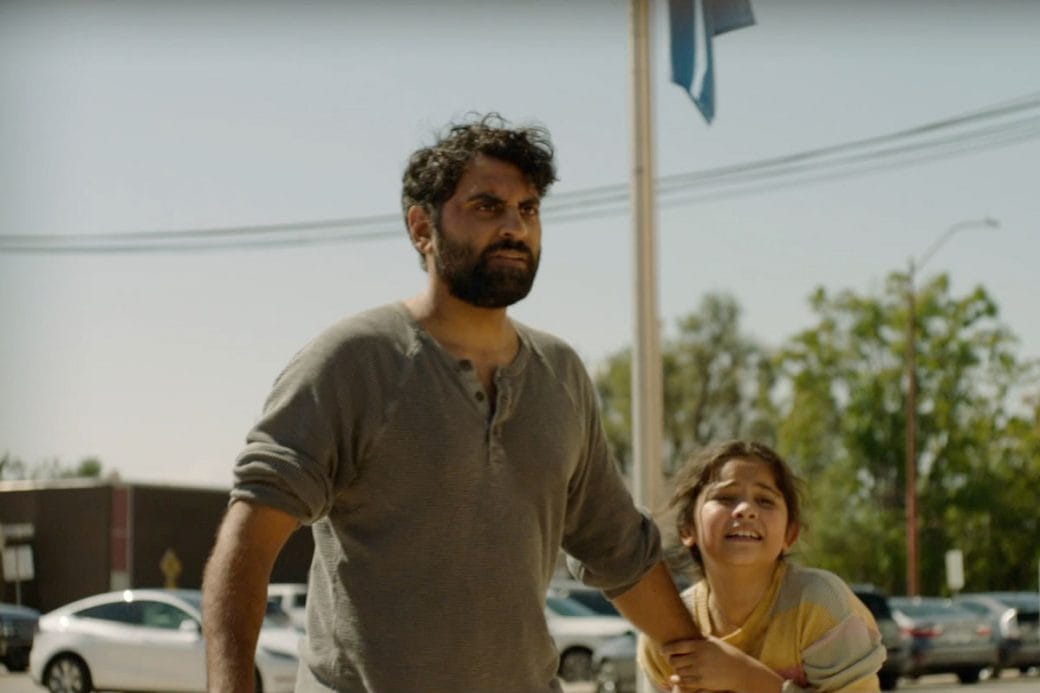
<point>465,364</point>
<point>480,396</point>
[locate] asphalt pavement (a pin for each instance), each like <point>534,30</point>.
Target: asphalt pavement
<point>946,683</point>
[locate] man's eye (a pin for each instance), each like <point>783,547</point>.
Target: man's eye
<point>530,211</point>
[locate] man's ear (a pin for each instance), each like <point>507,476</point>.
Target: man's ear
<point>420,228</point>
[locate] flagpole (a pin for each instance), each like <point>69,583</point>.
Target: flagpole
<point>647,398</point>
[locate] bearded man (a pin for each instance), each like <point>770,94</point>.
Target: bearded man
<point>442,454</point>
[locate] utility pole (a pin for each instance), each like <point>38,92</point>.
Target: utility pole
<point>913,572</point>
<point>912,586</point>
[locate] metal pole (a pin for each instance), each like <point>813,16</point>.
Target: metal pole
<point>646,359</point>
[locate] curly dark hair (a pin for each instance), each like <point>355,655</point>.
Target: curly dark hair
<point>704,468</point>
<point>433,172</point>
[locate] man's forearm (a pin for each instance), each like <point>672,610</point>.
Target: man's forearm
<point>654,607</point>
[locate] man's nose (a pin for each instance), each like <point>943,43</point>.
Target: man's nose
<point>514,225</point>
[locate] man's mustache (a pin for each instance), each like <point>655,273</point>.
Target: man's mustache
<point>515,246</point>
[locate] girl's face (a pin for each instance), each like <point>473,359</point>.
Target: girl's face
<point>741,517</point>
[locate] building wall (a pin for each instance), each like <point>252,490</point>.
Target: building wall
<point>93,537</point>
<point>70,544</point>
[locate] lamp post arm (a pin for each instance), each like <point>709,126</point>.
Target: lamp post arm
<point>988,222</point>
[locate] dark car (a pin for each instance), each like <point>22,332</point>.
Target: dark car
<point>897,642</point>
<point>17,626</point>
<point>1027,609</point>
<point>946,638</point>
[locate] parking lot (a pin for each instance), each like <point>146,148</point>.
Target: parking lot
<point>1009,683</point>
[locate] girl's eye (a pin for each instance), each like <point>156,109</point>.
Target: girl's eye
<point>767,502</point>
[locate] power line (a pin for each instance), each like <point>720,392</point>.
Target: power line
<point>977,130</point>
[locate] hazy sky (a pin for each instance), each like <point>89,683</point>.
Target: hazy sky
<point>121,117</point>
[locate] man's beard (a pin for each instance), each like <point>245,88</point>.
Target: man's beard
<point>473,280</point>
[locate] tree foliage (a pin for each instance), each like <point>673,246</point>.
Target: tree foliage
<point>832,399</point>
<point>843,423</point>
<point>714,379</point>
<point>14,468</point>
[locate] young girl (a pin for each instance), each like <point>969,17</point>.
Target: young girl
<point>769,625</point>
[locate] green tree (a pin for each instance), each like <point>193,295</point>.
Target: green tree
<point>715,385</point>
<point>842,422</point>
<point>13,468</point>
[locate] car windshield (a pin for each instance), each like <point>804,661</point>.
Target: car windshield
<point>565,606</point>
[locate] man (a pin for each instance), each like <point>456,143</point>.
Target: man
<point>442,454</point>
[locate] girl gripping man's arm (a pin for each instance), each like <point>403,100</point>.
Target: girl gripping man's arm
<point>770,625</point>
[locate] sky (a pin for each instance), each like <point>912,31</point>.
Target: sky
<point>126,117</point>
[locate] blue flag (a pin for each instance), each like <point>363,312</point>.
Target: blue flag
<point>693,24</point>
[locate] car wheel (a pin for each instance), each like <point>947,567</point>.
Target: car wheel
<point>576,665</point>
<point>969,675</point>
<point>67,674</point>
<point>888,681</point>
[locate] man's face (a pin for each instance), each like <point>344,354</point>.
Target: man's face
<point>487,239</point>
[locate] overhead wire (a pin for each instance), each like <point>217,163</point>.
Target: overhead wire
<point>928,142</point>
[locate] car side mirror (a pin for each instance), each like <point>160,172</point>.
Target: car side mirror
<point>190,625</point>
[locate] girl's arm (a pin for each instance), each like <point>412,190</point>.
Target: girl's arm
<point>845,659</point>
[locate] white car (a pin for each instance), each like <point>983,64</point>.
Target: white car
<point>577,631</point>
<point>145,640</point>
<point>292,598</point>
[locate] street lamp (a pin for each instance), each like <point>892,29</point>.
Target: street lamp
<point>912,571</point>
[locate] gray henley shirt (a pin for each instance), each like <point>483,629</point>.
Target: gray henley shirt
<point>437,519</point>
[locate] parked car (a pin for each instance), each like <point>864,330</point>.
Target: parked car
<point>1003,619</point>
<point>589,596</point>
<point>896,641</point>
<point>946,638</point>
<point>1027,612</point>
<point>577,631</point>
<point>144,640</point>
<point>17,625</point>
<point>291,597</point>
<point>614,664</point>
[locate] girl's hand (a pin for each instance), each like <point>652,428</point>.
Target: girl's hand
<point>710,664</point>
